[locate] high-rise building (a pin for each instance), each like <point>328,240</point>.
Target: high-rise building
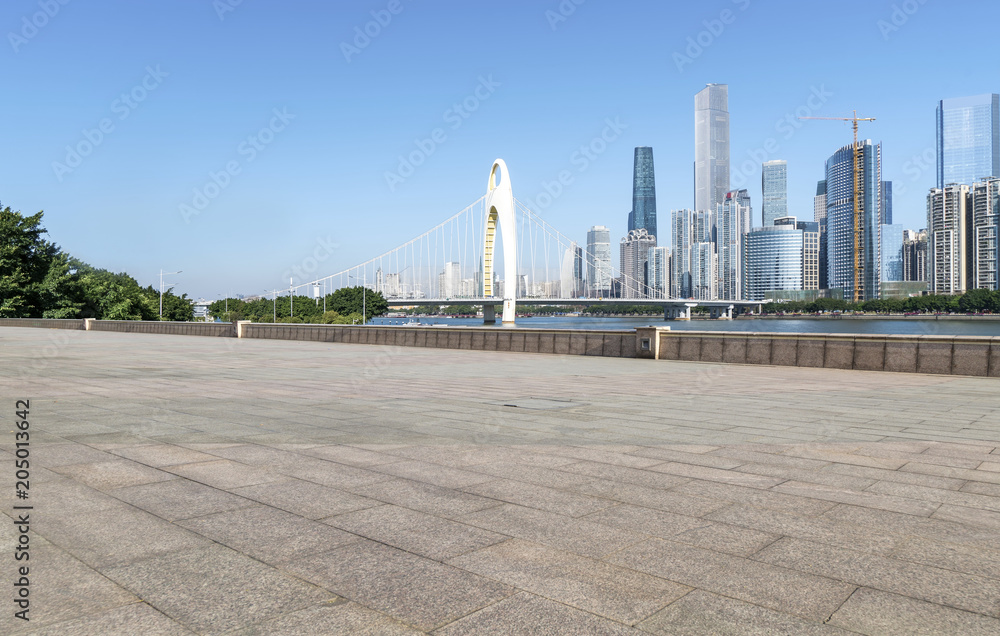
<point>891,253</point>
<point>643,214</point>
<point>819,216</point>
<point>774,187</point>
<point>450,281</point>
<point>735,221</point>
<point>985,226</point>
<point>393,288</point>
<point>774,259</point>
<point>703,226</point>
<point>704,279</point>
<point>599,262</point>
<point>947,239</point>
<point>682,226</point>
<point>914,256</point>
<point>968,139</point>
<point>810,252</point>
<point>885,203</point>
<point>845,233</point>
<point>659,272</point>
<point>571,272</point>
<point>635,263</point>
<point>711,146</point>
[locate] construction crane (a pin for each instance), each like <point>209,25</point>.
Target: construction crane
<point>859,191</point>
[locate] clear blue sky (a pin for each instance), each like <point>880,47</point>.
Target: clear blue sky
<point>212,82</point>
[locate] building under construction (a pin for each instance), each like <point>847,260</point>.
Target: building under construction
<point>853,216</point>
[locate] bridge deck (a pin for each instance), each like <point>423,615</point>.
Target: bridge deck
<point>219,484</point>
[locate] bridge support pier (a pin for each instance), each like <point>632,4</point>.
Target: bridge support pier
<point>729,313</point>
<point>489,314</point>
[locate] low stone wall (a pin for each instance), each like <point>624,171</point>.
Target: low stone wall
<point>218,329</point>
<point>614,344</point>
<point>949,355</point>
<point>43,323</point>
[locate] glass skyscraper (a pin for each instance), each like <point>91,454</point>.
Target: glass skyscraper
<point>774,187</point>
<point>773,260</point>
<point>643,214</point>
<point>840,239</point>
<point>599,261</point>
<point>635,264</point>
<point>711,146</point>
<point>892,253</point>
<point>885,203</point>
<point>735,220</point>
<point>682,226</point>
<point>968,139</point>
<point>819,216</point>
<point>659,271</point>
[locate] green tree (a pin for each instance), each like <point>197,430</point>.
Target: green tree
<point>348,300</point>
<point>175,308</point>
<point>61,292</point>
<point>110,296</point>
<point>977,300</point>
<point>25,260</point>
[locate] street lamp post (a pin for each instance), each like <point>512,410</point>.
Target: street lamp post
<point>161,288</point>
<point>274,306</point>
<point>364,297</point>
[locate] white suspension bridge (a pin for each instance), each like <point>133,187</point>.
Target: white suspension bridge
<point>458,262</point>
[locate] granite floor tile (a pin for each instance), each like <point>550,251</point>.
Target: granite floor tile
<point>525,613</point>
<point>928,583</point>
<point>351,455</point>
<point>613,592</point>
<point>702,612</point>
<point>337,617</point>
<point>114,536</point>
<point>268,534</point>
<point>950,556</point>
<point>864,499</point>
<point>159,455</point>
<point>180,499</point>
<point>539,475</point>
<point>304,498</point>
<point>62,588</point>
<point>418,495</point>
<point>125,620</point>
<point>340,476</point>
<point>115,473</point>
<point>432,474</point>
<point>224,473</point>
<point>416,532</point>
<point>214,590</point>
<point>823,530</point>
<point>781,589</point>
<point>656,498</point>
<point>769,499</point>
<point>883,614</point>
<point>418,591</point>
<point>540,497</point>
<point>580,536</point>
<point>625,474</point>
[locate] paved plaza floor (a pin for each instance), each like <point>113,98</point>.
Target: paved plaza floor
<point>218,486</point>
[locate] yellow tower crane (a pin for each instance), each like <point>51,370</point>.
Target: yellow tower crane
<point>859,193</point>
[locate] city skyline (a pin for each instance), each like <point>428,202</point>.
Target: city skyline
<point>311,167</point>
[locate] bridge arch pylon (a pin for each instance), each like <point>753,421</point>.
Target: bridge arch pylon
<point>499,209</point>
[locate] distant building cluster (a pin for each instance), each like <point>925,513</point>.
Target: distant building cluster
<point>851,249</point>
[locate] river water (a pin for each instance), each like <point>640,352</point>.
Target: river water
<point>911,326</point>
